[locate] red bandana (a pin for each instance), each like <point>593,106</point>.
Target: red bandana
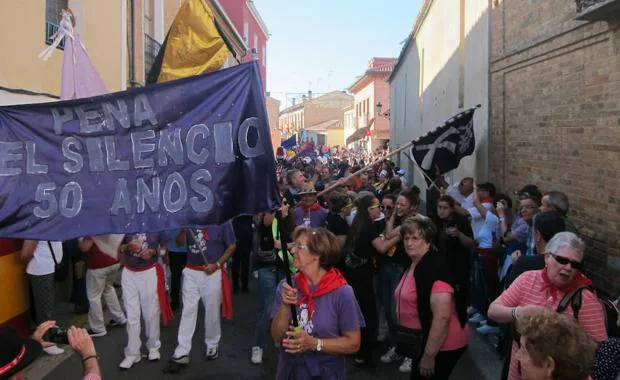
<point>487,200</point>
<point>578,280</point>
<point>331,281</point>
<point>315,206</point>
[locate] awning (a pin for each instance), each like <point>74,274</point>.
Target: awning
<point>358,134</point>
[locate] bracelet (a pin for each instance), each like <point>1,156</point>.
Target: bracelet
<point>90,357</point>
<point>218,265</point>
<point>515,313</point>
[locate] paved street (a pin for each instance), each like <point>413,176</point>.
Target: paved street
<point>234,362</point>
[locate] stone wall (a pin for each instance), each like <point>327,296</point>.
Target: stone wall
<point>555,117</point>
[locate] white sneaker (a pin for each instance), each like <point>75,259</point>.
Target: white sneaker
<point>406,366</point>
<point>390,356</point>
<point>212,353</point>
<point>477,318</point>
<point>486,330</point>
<point>257,355</point>
<point>53,350</point>
<point>471,311</point>
<point>154,355</point>
<point>129,361</point>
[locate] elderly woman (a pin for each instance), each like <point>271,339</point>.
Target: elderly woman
<point>425,300</point>
<point>329,316</point>
<point>547,287</point>
<point>553,347</point>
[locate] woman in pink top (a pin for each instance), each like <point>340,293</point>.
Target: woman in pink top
<point>546,288</point>
<point>425,300</point>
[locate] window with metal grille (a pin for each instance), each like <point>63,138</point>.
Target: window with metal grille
<point>53,10</point>
<point>151,49</point>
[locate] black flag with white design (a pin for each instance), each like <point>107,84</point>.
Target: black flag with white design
<point>441,150</point>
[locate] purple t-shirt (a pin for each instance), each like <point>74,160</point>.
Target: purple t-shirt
<point>143,241</point>
<point>334,314</point>
<point>520,230</point>
<point>313,219</point>
<point>212,241</point>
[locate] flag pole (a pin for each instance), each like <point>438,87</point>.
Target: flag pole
<point>433,184</point>
<point>342,180</point>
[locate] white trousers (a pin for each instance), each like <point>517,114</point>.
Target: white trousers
<point>100,282</point>
<point>197,285</point>
<point>140,299</point>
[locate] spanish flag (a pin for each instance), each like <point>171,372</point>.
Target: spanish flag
<point>193,45</point>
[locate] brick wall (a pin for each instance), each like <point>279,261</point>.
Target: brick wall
<point>555,117</point>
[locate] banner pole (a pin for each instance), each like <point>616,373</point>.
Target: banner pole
<point>342,180</point>
<point>287,271</point>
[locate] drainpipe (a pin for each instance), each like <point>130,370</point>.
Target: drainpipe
<point>132,50</point>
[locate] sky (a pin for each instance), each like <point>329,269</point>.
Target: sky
<point>325,45</point>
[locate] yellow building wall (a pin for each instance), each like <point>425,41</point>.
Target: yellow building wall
<point>335,137</point>
<point>22,37</point>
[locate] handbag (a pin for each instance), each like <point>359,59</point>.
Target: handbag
<point>409,342</point>
<point>60,268</point>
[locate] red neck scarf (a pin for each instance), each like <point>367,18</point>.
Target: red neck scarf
<point>330,281</point>
<point>554,291</point>
<point>315,206</point>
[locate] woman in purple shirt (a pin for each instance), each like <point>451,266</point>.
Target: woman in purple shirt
<point>329,316</point>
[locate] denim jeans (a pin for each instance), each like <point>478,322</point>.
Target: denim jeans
<point>268,279</point>
<point>389,276</point>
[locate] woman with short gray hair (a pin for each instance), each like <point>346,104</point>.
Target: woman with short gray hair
<point>562,275</point>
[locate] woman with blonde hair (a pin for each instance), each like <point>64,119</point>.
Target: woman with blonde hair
<point>553,346</point>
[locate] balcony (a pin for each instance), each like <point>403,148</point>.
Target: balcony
<point>50,30</point>
<point>598,10</point>
<point>151,49</point>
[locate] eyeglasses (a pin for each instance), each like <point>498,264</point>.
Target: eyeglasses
<point>292,246</point>
<point>387,207</point>
<point>578,265</point>
<point>527,207</point>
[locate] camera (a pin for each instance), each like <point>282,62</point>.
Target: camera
<point>56,335</point>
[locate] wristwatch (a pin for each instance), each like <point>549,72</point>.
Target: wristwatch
<point>319,345</point>
<point>218,265</point>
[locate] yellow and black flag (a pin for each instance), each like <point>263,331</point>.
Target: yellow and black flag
<point>193,45</point>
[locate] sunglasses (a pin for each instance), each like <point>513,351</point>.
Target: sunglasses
<point>387,207</point>
<point>374,206</point>
<point>565,261</point>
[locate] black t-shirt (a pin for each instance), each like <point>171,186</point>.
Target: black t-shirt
<point>363,245</point>
<point>336,224</point>
<point>457,255</point>
<point>400,255</point>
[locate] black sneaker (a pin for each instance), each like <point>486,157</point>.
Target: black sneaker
<point>114,323</point>
<point>96,334</point>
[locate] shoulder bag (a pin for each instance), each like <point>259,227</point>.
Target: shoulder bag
<point>60,268</point>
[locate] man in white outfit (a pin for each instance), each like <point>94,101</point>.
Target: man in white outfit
<point>208,249</point>
<point>141,283</point>
<point>100,274</point>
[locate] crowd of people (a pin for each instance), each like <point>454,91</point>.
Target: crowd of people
<point>367,265</point>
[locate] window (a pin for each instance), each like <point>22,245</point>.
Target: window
<point>53,10</point>
<point>246,32</point>
<point>256,42</point>
<point>264,55</point>
<point>149,24</point>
